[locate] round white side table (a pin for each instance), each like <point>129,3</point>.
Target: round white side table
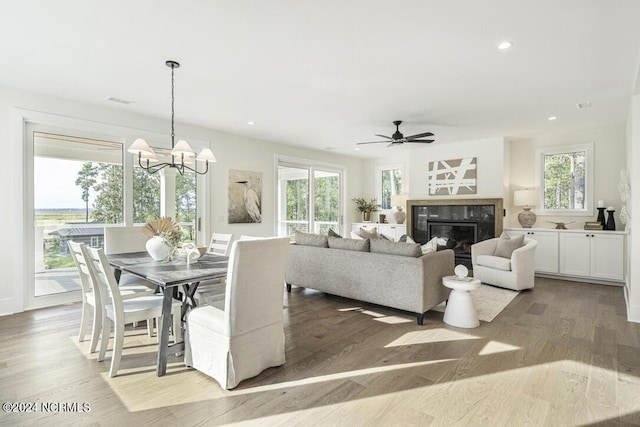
<point>460,311</point>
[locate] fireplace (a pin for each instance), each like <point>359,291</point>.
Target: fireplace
<point>457,224</point>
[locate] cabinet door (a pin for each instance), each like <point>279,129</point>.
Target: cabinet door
<point>397,231</point>
<point>546,251</point>
<point>575,252</point>
<point>607,256</point>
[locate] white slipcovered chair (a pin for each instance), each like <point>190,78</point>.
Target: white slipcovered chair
<point>513,270</point>
<point>245,336</point>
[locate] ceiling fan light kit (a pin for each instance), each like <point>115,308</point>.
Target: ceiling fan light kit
<point>398,138</point>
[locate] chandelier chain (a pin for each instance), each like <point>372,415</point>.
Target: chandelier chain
<point>173,134</point>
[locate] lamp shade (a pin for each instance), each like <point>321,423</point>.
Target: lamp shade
<point>206,154</point>
<point>525,198</point>
<point>182,147</point>
<point>399,200</point>
<point>140,146</point>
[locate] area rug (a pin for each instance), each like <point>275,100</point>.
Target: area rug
<point>488,300</point>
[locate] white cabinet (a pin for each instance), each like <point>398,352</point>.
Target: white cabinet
<point>546,251</point>
<point>597,255</point>
<point>393,231</point>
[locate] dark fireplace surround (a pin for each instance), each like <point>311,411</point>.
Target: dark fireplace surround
<point>461,222</point>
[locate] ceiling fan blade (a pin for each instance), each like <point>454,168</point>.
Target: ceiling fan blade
<point>422,140</point>
<point>395,143</point>
<point>372,142</point>
<point>420,135</point>
<point>384,136</point>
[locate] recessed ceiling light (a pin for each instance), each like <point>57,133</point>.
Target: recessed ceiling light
<point>552,118</point>
<point>357,148</point>
<point>505,45</point>
<point>251,123</point>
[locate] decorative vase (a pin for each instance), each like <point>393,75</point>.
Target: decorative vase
<point>366,216</point>
<point>611,224</point>
<point>601,218</point>
<point>158,248</point>
<point>526,218</point>
<point>399,216</point>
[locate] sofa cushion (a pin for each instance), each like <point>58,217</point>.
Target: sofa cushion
<point>308,239</point>
<point>495,262</point>
<point>506,245</point>
<point>361,245</point>
<point>395,248</point>
<point>333,233</point>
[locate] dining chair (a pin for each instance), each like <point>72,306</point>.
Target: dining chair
<point>244,334</point>
<point>212,291</point>
<point>91,298</point>
<point>119,311</point>
<point>122,240</point>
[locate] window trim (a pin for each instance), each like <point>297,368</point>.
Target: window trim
<point>377,173</point>
<point>588,182</point>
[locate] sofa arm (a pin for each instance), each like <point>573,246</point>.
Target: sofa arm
<point>436,266</point>
<point>523,259</point>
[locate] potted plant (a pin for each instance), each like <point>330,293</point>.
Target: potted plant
<point>366,207</point>
<point>164,236</point>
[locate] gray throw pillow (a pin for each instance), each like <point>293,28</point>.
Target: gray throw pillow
<point>369,234</point>
<point>396,248</point>
<point>308,239</point>
<point>349,244</point>
<point>333,233</point>
<point>506,245</point>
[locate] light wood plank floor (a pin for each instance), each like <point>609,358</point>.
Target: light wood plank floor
<point>560,354</point>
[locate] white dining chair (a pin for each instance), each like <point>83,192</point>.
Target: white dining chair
<point>212,291</point>
<point>91,298</point>
<point>124,240</point>
<point>120,311</point>
<point>244,334</point>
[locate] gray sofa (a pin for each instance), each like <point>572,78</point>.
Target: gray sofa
<point>371,270</point>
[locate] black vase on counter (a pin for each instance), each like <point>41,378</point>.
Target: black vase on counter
<point>601,219</point>
<point>611,224</point>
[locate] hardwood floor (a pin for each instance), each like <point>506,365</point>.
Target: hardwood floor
<point>560,354</point>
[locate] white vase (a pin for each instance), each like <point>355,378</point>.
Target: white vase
<point>158,248</point>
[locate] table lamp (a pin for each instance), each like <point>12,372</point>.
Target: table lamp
<point>527,199</point>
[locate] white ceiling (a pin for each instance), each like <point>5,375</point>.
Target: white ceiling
<point>330,73</point>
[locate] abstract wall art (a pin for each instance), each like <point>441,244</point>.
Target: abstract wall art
<point>452,177</point>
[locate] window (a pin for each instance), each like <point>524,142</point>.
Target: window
<point>389,182</point>
<point>565,180</point>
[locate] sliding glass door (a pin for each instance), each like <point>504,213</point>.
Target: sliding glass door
<point>309,199</point>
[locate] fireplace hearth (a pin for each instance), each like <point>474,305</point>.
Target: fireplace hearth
<point>457,224</point>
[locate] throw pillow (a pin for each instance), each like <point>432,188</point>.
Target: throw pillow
<point>361,245</point>
<point>430,246</point>
<point>369,234</point>
<point>395,248</point>
<point>308,239</point>
<point>333,233</point>
<point>506,245</point>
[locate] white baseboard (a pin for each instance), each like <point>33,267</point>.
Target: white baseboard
<point>633,311</point>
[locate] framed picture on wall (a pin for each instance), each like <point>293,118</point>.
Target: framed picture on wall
<point>452,177</point>
<point>245,197</point>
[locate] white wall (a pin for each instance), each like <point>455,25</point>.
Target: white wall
<point>232,152</point>
<point>609,149</point>
<point>632,287</point>
<point>490,157</point>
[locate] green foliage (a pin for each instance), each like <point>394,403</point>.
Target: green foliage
<point>391,185</point>
<point>366,207</point>
<point>146,195</point>
<point>564,180</point>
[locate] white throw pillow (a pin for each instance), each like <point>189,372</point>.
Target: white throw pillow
<point>356,236</point>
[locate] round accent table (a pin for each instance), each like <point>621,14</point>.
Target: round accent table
<point>460,310</point>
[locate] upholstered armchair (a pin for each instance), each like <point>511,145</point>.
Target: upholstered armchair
<point>245,335</point>
<point>491,266</point>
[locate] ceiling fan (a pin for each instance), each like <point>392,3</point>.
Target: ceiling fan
<point>398,138</point>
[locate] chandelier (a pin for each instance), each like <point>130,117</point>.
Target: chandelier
<point>181,153</point>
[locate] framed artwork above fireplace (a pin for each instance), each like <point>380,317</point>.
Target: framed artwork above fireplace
<point>452,177</point>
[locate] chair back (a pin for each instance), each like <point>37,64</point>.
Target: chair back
<point>77,253</point>
<point>104,279</point>
<point>255,283</point>
<point>121,240</point>
<point>220,244</point>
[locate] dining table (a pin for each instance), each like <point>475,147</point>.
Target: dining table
<point>176,278</point>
